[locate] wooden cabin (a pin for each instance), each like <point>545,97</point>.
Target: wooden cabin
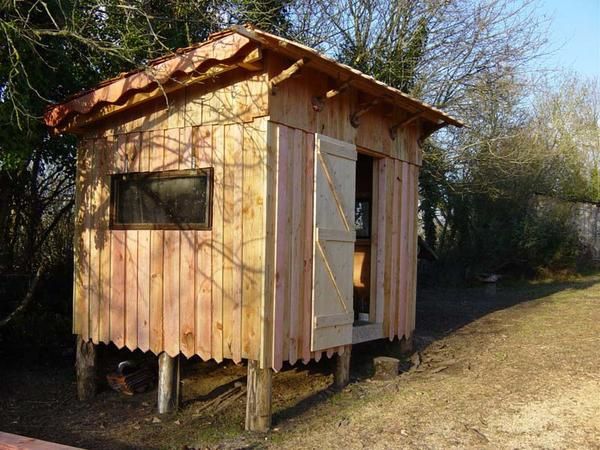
<point>246,198</point>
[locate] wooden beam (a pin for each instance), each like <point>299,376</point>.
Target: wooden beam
<point>355,117</point>
<point>85,364</point>
<point>318,102</point>
<point>329,67</point>
<point>168,383</point>
<point>429,129</point>
<point>249,62</point>
<point>252,64</point>
<point>342,368</point>
<point>408,120</point>
<point>286,74</point>
<point>258,402</point>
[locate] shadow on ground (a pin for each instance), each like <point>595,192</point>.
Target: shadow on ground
<point>40,401</point>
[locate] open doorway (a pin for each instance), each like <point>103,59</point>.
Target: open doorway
<point>364,235</point>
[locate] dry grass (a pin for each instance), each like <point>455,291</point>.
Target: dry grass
<point>519,370</point>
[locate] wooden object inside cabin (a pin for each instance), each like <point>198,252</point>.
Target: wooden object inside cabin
<point>245,199</point>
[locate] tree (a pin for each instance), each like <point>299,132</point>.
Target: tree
<point>48,51</point>
<point>268,15</point>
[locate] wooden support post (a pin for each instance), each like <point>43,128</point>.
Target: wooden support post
<point>318,102</point>
<point>355,117</point>
<point>168,383</point>
<point>85,364</point>
<point>258,402</point>
<point>408,120</point>
<point>342,368</point>
<point>286,74</point>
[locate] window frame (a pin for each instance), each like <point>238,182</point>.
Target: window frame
<point>117,177</point>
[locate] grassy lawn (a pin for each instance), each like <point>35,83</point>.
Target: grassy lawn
<point>518,369</point>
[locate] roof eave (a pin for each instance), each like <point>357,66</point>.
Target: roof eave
<point>225,45</point>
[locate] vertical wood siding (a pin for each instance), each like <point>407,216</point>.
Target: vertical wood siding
<point>396,249</point>
<point>243,288</point>
<point>293,243</point>
<point>195,292</point>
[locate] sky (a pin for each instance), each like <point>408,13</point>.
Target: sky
<point>574,34</point>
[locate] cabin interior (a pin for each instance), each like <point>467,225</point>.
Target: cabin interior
<point>364,222</point>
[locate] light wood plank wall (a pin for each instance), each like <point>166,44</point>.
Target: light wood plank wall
<point>396,246</point>
<point>292,105</point>
<point>197,292</point>
<point>240,290</point>
<point>293,124</point>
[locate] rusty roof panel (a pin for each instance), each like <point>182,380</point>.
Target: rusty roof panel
<point>218,49</point>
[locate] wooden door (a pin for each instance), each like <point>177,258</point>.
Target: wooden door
<point>332,305</point>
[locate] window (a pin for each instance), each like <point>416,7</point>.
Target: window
<point>178,199</point>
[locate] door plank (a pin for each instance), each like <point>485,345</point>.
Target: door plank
<point>334,198</point>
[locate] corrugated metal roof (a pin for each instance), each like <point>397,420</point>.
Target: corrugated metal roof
<point>359,79</point>
<point>219,49</point>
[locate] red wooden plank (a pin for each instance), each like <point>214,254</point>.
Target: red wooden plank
<point>91,226</point>
<point>281,248</point>
<point>156,291</point>
<point>157,154</point>
<point>202,147</point>
<point>237,228</point>
<point>309,149</point>
<point>145,151</point>
<point>297,237</point>
<point>187,292</point>
<point>171,149</point>
<point>15,442</point>
<point>395,249</point>
<point>82,241</point>
<point>171,291</point>
<point>143,293</point>
<point>119,163</point>
<point>286,274</point>
<point>404,262</point>
<point>412,243</point>
<point>202,150</point>
<point>131,289</point>
<point>232,242</point>
<point>186,155</point>
<point>117,288</point>
<point>381,230</point>
<point>133,152</point>
<point>203,286</point>
<point>254,227</point>
<point>217,242</point>
<point>103,240</point>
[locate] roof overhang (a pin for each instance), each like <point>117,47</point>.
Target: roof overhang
<point>239,46</point>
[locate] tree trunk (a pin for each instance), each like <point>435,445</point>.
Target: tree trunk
<point>342,368</point>
<point>386,368</point>
<point>168,383</point>
<point>85,364</point>
<point>258,402</point>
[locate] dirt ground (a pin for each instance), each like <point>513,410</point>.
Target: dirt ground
<point>520,369</point>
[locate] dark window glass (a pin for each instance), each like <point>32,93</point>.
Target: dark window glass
<point>161,200</point>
